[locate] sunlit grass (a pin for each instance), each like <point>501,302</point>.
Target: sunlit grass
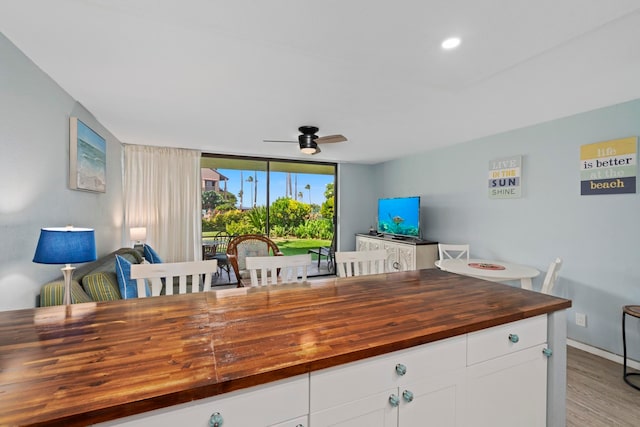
<point>299,246</point>
<point>289,246</point>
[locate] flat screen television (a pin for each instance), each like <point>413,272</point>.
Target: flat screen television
<point>399,216</point>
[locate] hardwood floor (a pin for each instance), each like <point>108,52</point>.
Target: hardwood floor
<point>596,393</point>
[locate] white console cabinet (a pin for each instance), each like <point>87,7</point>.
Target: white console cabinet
<point>402,255</point>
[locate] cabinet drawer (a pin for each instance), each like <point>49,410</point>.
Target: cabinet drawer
<point>505,339</point>
<point>335,386</point>
<point>265,405</point>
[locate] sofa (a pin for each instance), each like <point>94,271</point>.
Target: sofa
<point>93,281</point>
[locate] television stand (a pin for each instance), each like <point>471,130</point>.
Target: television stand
<point>404,253</point>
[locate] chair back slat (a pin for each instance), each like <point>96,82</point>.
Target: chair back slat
<point>358,263</point>
<point>200,273</point>
<point>289,269</point>
<point>552,275</point>
<point>448,251</point>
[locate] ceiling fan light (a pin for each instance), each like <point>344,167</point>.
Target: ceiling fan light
<point>307,144</point>
<point>451,43</point>
<point>309,150</point>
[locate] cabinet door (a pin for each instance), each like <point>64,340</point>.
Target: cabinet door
<point>437,402</point>
<point>392,263</point>
<point>371,411</point>
<point>400,257</point>
<point>366,244</point>
<point>509,390</point>
<point>406,257</point>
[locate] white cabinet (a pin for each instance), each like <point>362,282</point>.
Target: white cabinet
<point>283,403</point>
<point>507,375</point>
<point>405,388</point>
<point>401,255</point>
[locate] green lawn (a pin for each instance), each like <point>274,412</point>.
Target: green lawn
<point>291,246</point>
<point>300,246</point>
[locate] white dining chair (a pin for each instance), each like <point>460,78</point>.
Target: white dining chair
<point>358,263</point>
<point>552,275</point>
<point>447,251</point>
<point>164,273</point>
<point>271,270</point>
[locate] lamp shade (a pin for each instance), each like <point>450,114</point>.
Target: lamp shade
<point>65,245</point>
<point>138,234</point>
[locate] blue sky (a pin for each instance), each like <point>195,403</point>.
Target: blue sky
<point>278,185</point>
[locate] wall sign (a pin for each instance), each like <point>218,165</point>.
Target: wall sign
<point>608,167</point>
<point>504,178</point>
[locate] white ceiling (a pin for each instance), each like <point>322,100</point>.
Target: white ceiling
<point>221,76</point>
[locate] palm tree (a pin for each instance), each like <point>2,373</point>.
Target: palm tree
<point>254,182</point>
<point>250,179</point>
<point>255,188</point>
<point>241,193</point>
<point>300,195</point>
<point>308,187</point>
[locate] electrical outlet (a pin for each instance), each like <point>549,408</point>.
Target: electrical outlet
<point>581,319</point>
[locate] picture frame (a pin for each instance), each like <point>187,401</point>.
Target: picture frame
<point>87,158</point>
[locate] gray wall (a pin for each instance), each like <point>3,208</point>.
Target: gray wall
<point>596,236</point>
<point>357,197</point>
<point>34,167</point>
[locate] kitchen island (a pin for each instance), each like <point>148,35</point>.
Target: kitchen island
<point>95,362</point>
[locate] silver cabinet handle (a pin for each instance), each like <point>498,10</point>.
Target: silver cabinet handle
<point>514,338</point>
<point>215,420</point>
<point>394,400</point>
<point>407,395</point>
<point>401,369</point>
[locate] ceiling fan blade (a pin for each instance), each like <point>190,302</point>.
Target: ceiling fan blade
<point>330,139</point>
<point>277,140</point>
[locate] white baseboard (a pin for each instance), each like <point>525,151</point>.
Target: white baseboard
<point>603,353</point>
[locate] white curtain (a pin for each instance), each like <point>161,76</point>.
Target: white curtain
<point>162,193</point>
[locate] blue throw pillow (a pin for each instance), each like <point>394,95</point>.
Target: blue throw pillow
<point>128,286</point>
<point>151,255</point>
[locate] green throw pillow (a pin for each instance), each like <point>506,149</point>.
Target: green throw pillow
<point>102,286</point>
<point>52,293</point>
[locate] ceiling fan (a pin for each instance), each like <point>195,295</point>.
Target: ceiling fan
<point>308,140</point>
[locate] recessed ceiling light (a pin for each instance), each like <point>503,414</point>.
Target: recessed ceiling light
<point>451,43</point>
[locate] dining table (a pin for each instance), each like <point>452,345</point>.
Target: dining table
<point>495,271</point>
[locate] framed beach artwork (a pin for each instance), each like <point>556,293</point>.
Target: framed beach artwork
<point>87,158</point>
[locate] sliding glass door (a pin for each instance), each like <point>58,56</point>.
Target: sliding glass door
<point>292,202</point>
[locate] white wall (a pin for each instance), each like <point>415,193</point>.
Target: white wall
<point>597,236</point>
<point>34,167</point>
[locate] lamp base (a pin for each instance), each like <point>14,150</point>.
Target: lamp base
<point>67,272</point>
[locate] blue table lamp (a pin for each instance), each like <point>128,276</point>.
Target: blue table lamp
<point>66,245</point>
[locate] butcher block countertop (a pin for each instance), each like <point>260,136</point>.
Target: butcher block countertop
<point>94,362</point>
